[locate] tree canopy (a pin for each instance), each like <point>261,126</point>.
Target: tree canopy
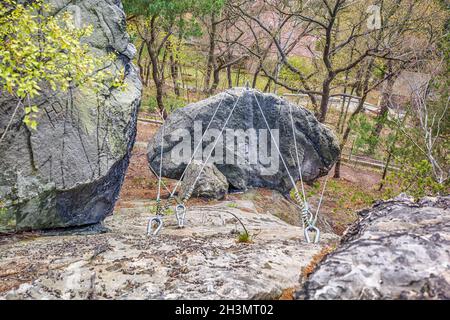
<point>41,51</point>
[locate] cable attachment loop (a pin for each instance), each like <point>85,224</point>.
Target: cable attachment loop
<point>154,225</point>
<point>312,229</point>
<point>180,214</point>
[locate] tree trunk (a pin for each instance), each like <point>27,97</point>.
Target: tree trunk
<point>277,74</point>
<point>174,74</point>
<point>384,103</point>
<point>211,51</point>
<point>364,92</point>
<point>337,168</point>
<point>384,110</point>
<point>238,77</point>
<point>139,60</point>
<point>267,86</point>
<point>390,152</point>
<point>341,112</point>
<point>325,97</point>
<point>147,73</point>
<point>385,170</point>
<point>158,80</point>
<point>341,130</point>
<point>216,80</point>
<point>255,76</point>
<point>229,77</point>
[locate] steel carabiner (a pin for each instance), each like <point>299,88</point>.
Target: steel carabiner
<point>158,222</point>
<point>312,228</point>
<point>180,214</point>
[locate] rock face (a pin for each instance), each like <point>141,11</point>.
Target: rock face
<point>398,250</point>
<point>201,261</point>
<point>245,153</point>
<point>69,171</point>
<point>211,184</point>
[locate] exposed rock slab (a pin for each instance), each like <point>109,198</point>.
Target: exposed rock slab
<point>202,261</point>
<point>398,250</point>
<point>69,171</point>
<point>318,147</point>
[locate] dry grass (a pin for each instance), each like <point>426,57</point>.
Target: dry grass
<point>288,294</point>
<point>316,259</point>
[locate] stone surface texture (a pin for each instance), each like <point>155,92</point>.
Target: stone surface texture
<point>201,261</point>
<point>400,249</point>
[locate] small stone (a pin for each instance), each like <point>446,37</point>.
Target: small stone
<point>211,184</point>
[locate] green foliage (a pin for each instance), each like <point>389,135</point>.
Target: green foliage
<point>168,212</point>
<point>2,208</point>
<point>151,105</point>
<point>179,13</point>
<point>292,194</point>
<point>232,205</point>
<point>171,8</point>
<point>380,69</point>
<point>174,102</point>
<point>347,197</point>
<point>305,65</point>
<point>7,220</point>
<point>30,116</point>
<point>39,50</point>
<point>314,190</point>
<point>244,237</point>
<point>415,176</point>
<point>363,127</point>
<point>417,181</point>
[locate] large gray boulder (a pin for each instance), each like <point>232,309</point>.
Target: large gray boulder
<point>398,250</point>
<point>69,171</point>
<point>245,139</point>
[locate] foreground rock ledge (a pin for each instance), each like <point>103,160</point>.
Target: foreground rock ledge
<point>202,261</point>
<point>399,249</point>
<point>69,171</point>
